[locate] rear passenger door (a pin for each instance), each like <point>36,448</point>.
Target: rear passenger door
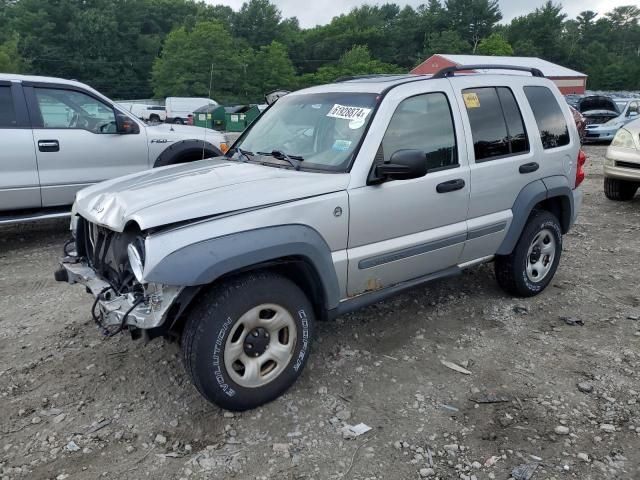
<point>404,229</point>
<point>19,183</point>
<point>502,161</point>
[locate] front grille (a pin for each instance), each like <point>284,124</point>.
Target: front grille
<point>627,164</point>
<point>106,252</point>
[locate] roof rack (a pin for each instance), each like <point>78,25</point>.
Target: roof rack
<point>347,78</point>
<point>450,71</point>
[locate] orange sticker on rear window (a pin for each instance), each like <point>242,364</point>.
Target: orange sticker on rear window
<point>471,100</point>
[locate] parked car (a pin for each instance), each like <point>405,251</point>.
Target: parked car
<point>605,115</point>
<point>179,108</point>
<point>149,113</point>
<point>622,163</point>
<point>59,136</point>
<point>337,197</point>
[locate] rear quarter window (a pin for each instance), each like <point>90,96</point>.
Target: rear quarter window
<point>549,117</point>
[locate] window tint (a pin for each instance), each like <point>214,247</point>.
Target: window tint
<point>71,109</point>
<point>423,123</point>
<point>7,109</point>
<point>551,123</point>
<point>496,123</point>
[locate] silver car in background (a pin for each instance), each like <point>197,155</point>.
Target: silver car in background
<point>605,115</point>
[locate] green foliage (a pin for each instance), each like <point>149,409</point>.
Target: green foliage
<point>10,59</point>
<point>194,61</point>
<point>448,41</point>
<point>140,48</point>
<point>495,44</point>
<point>270,69</point>
<point>356,61</point>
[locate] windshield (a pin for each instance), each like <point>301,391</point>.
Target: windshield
<point>322,130</point>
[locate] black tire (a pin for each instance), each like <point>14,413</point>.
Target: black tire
<point>178,121</point>
<point>213,318</point>
<point>511,270</point>
<point>154,118</point>
<point>619,190</point>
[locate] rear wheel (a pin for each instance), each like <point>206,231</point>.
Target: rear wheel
<point>178,121</point>
<point>531,266</point>
<point>247,340</point>
<point>619,190</point>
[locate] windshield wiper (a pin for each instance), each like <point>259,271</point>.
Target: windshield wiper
<point>244,153</point>
<point>294,160</point>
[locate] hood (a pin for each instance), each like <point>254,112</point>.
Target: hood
<point>173,132</point>
<point>194,190</point>
<point>597,103</point>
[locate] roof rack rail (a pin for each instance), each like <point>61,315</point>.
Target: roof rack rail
<point>346,78</point>
<point>450,71</point>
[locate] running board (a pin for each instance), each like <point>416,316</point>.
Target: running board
<point>36,216</point>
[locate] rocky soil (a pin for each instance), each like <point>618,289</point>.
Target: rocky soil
<point>551,388</point>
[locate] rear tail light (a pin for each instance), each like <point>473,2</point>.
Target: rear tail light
<point>582,159</point>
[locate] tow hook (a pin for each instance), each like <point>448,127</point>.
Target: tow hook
<point>61,275</point>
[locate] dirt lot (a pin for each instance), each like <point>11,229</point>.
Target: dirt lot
<point>79,407</point>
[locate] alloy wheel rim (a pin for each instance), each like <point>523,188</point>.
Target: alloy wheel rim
<point>260,345</point>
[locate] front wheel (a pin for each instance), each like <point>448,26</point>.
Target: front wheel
<point>247,340</point>
<point>531,266</point>
<point>619,190</point>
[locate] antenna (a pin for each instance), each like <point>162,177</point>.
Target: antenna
<point>204,138</point>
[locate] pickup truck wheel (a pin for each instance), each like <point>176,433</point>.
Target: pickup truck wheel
<point>530,267</point>
<point>247,340</point>
<point>619,190</point>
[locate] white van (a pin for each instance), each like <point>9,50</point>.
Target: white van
<point>179,108</point>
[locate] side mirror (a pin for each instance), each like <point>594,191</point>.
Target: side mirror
<point>404,165</point>
<point>125,126</point>
<point>632,114</point>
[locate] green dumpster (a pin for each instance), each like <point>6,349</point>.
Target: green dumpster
<point>253,113</point>
<point>203,117</point>
<point>235,118</point>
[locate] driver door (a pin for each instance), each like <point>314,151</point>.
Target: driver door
<point>76,143</point>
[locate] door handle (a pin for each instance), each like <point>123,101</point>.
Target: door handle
<point>450,186</point>
<point>529,167</point>
<point>48,145</point>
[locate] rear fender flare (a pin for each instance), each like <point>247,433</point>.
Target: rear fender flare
<point>530,196</point>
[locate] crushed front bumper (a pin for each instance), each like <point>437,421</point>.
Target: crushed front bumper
<point>150,312</point>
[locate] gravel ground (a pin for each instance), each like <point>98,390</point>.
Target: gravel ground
<point>553,389</point>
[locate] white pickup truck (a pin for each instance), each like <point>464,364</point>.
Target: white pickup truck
<point>59,136</point>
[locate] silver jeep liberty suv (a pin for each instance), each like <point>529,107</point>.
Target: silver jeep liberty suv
<point>337,197</point>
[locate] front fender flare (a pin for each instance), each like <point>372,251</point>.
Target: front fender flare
<point>206,261</point>
<point>177,149</point>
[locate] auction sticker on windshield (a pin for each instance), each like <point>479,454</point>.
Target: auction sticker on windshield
<point>348,113</point>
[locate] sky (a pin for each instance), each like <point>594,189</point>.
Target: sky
<point>319,12</point>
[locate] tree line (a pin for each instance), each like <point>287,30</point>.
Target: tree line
<point>158,48</point>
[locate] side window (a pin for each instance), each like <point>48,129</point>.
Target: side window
<point>496,123</point>
<point>423,122</point>
<point>549,117</point>
<point>7,109</point>
<point>74,110</point>
<point>515,124</point>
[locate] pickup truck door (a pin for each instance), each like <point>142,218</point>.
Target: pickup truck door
<point>76,141</point>
<point>404,229</point>
<point>19,183</point>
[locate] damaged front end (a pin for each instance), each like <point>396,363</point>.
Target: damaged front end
<point>101,261</point>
